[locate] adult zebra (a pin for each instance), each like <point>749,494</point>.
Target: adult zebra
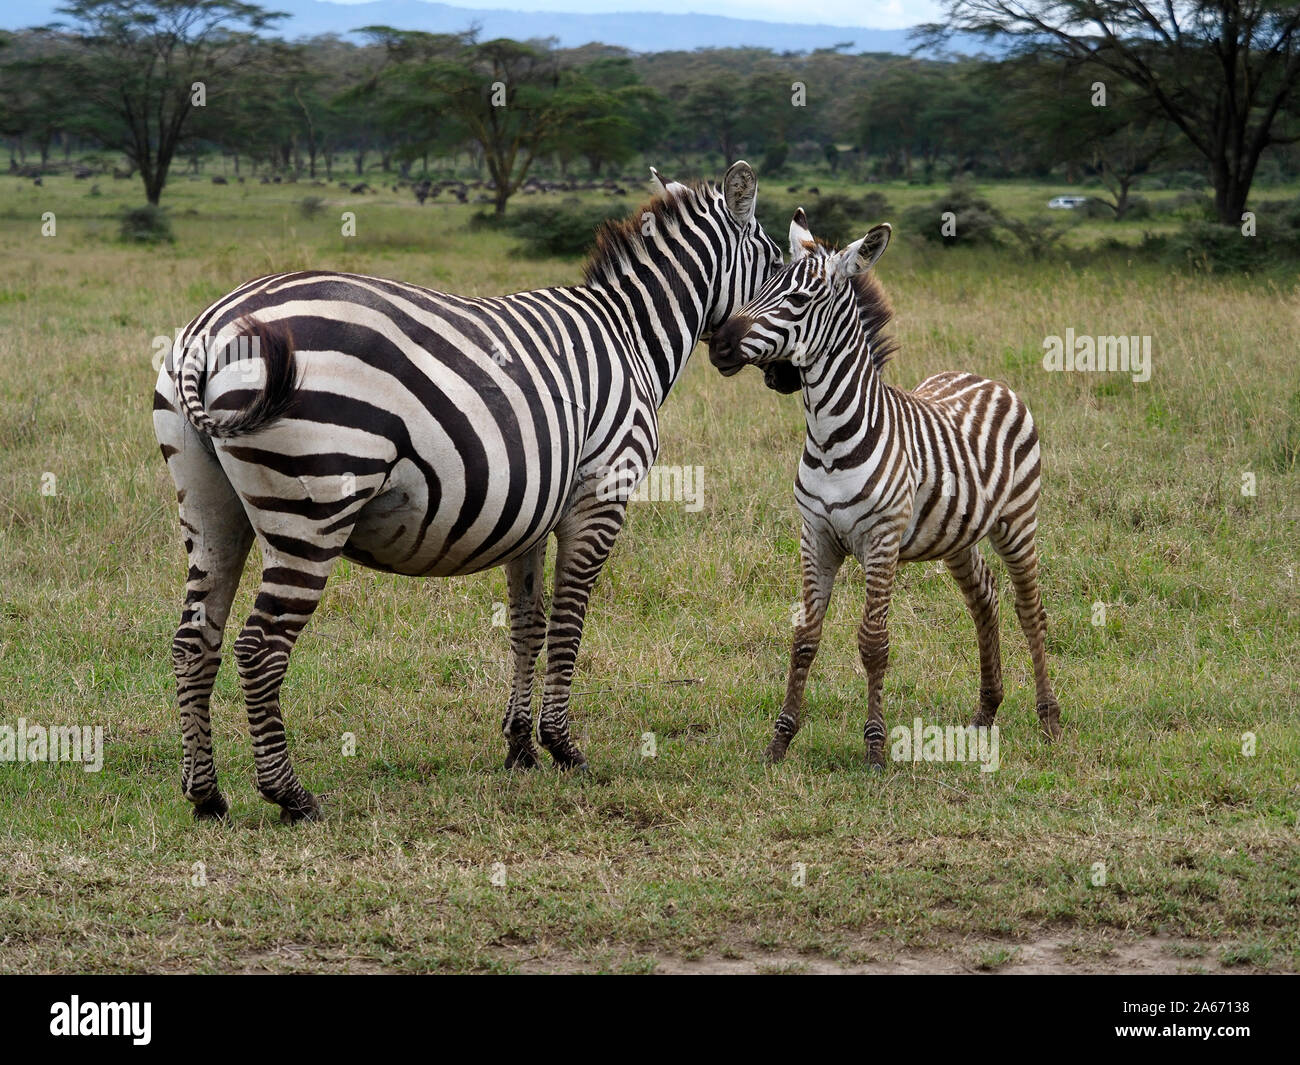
<point>430,434</point>
<point>891,476</point>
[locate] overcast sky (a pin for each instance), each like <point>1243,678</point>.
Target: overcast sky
<point>875,14</point>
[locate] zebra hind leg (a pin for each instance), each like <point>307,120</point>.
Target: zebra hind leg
<point>980,591</point>
<point>290,591</point>
<point>217,538</point>
<point>527,634</point>
<point>1021,557</point>
<point>584,539</point>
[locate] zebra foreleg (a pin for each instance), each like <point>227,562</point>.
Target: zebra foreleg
<point>584,539</point>
<point>820,562</point>
<point>980,591</point>
<point>880,560</point>
<point>527,634</point>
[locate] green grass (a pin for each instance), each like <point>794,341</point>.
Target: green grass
<point>689,854</point>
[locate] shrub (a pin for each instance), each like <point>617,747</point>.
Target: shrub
<point>311,206</point>
<point>563,229</point>
<point>834,218</point>
<point>1094,207</point>
<point>1139,209</point>
<point>1211,247</point>
<point>874,207</point>
<point>976,219</point>
<point>1194,206</point>
<point>1037,235</point>
<point>774,159</point>
<point>146,225</point>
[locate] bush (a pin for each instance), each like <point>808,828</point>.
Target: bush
<point>1210,247</point>
<point>1194,206</point>
<point>562,229</point>
<point>1139,209</point>
<point>834,218</point>
<point>311,206</point>
<point>774,159</point>
<point>146,225</point>
<point>874,207</point>
<point>490,220</point>
<point>1037,235</point>
<point>1094,208</point>
<point>976,220</point>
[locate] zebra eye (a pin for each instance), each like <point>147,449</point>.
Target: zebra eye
<point>799,300</point>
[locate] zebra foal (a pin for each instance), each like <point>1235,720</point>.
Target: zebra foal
<point>891,476</point>
<point>430,434</point>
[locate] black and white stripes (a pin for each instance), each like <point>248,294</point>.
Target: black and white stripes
<point>429,434</point>
<point>891,476</point>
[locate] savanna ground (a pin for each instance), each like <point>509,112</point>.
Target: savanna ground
<point>686,859</point>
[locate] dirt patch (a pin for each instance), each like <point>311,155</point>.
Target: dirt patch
<point>1047,955</point>
<point>304,958</point>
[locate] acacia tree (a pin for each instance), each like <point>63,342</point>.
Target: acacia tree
<point>614,114</point>
<point>1221,70</point>
<point>137,63</point>
<point>512,100</point>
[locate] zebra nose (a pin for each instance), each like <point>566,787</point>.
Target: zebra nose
<point>724,348</point>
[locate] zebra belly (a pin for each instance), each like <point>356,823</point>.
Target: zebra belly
<point>944,524</point>
<point>419,526</point>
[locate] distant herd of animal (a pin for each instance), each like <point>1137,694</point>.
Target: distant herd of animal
<point>327,415</point>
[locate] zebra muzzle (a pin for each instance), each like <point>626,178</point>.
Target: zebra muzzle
<point>724,347</point>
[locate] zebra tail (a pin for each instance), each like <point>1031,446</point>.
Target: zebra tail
<point>274,393</point>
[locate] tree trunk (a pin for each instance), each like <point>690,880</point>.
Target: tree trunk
<point>1230,192</point>
<point>1121,198</point>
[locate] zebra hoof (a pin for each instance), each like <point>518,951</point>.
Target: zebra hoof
<point>775,753</point>
<point>213,808</point>
<point>875,767</point>
<point>569,758</point>
<point>1051,729</point>
<point>522,758</point>
<point>309,810</point>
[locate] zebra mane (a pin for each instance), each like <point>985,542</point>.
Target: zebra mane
<point>622,242</point>
<point>874,312</point>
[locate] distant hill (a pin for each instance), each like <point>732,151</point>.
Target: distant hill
<point>640,31</point>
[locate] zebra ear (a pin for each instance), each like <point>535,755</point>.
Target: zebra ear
<point>740,191</point>
<point>800,236</point>
<point>861,255</point>
<point>662,187</point>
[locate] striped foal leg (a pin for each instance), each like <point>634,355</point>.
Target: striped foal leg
<point>217,538</point>
<point>584,538</point>
<point>820,560</point>
<point>527,634</point>
<point>290,592</point>
<point>980,591</point>
<point>879,561</point>
<point>1016,547</point>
